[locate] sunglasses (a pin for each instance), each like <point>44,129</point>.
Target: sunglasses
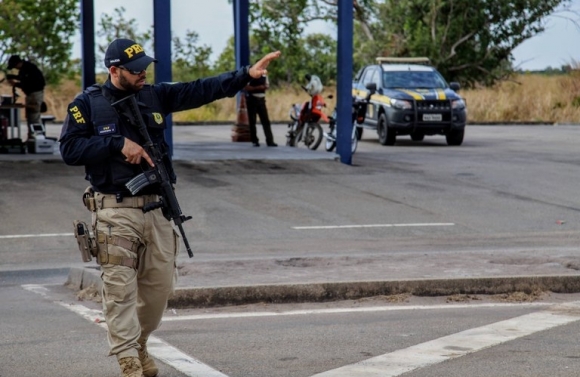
<point>131,71</point>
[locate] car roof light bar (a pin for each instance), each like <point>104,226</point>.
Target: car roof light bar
<point>393,60</point>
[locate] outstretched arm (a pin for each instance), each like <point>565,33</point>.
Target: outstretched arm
<point>189,95</point>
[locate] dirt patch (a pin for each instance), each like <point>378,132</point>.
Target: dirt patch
<point>399,298</point>
<point>523,261</point>
<point>520,296</point>
<point>462,298</point>
<point>573,266</point>
<point>299,262</point>
<point>90,293</point>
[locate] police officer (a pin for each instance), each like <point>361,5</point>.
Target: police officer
<point>137,251</point>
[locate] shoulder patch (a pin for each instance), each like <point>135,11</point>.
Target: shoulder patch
<point>76,114</point>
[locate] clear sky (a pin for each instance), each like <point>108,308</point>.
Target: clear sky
<point>213,21</point>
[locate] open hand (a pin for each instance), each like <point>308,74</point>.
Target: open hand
<point>259,69</point>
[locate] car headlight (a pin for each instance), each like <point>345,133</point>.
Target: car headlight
<point>458,104</point>
<point>401,104</point>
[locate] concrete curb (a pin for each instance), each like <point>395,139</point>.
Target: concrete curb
<point>81,278</point>
<point>333,291</point>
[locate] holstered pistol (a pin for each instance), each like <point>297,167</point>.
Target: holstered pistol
<point>87,245</point>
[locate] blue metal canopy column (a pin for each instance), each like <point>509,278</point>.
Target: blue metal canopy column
<point>241,130</point>
<point>88,43</point>
<point>344,82</point>
<point>162,47</point>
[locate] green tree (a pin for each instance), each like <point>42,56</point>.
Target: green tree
<point>190,61</point>
<point>226,61</point>
<point>280,26</point>
<point>111,27</point>
<point>470,41</point>
<point>364,14</point>
<point>277,25</point>
<point>40,31</point>
<point>318,57</point>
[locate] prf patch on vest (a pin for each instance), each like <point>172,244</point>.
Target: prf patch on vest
<point>107,129</point>
<point>157,118</point>
<point>76,114</point>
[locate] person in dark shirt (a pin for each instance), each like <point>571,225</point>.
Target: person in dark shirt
<point>256,103</point>
<point>137,251</point>
<point>31,81</point>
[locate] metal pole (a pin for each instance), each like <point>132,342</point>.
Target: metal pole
<point>88,43</point>
<point>241,130</point>
<point>162,47</point>
<point>241,32</point>
<point>344,85</point>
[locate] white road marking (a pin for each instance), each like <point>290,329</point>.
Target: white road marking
<point>179,360</point>
<point>388,365</point>
<point>448,347</point>
<point>161,350</point>
<point>294,227</point>
<point>195,317</point>
<point>36,235</point>
<point>370,226</point>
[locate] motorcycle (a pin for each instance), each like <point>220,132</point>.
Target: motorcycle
<point>305,131</point>
<point>359,111</point>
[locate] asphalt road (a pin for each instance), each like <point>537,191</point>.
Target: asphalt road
<point>507,190</point>
<point>47,331</point>
<point>412,210</point>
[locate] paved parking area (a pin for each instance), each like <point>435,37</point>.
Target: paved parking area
<point>501,206</point>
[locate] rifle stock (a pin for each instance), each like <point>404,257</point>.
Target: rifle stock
<point>129,109</point>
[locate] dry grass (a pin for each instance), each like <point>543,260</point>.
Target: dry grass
<point>528,98</point>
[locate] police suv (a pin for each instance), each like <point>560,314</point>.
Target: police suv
<point>412,98</point>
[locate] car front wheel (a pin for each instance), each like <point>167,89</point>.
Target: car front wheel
<point>455,137</point>
<point>386,136</point>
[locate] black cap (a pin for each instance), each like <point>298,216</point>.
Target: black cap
<point>13,61</point>
<point>127,53</point>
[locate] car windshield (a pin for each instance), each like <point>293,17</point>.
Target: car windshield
<point>413,79</point>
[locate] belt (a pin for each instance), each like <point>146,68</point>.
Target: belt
<point>110,201</point>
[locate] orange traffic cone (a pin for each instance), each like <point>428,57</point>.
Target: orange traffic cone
<point>241,129</point>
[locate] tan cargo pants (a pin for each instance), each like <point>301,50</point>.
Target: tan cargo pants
<point>135,291</point>
<point>32,102</point>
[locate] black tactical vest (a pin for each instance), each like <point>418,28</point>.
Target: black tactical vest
<point>111,177</point>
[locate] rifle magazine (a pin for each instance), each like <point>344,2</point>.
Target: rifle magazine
<point>141,181</point>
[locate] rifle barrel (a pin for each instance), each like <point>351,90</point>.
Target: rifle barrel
<point>185,241</point>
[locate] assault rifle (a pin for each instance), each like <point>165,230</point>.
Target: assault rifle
<point>129,109</point>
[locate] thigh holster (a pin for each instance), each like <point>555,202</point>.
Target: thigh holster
<point>103,257</point>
